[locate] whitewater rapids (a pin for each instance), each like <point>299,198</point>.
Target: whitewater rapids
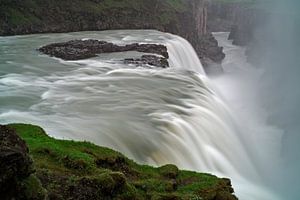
<point>155,116</point>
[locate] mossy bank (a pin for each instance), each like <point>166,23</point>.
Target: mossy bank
<point>81,170</point>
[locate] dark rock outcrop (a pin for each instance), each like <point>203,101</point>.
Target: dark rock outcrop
<point>83,49</point>
<point>210,51</point>
<point>16,181</point>
<point>15,163</point>
<point>146,60</point>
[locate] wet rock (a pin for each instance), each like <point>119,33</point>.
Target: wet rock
<point>148,48</point>
<point>209,51</point>
<point>145,60</point>
<point>83,49</point>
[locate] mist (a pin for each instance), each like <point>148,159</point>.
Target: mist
<point>277,43</point>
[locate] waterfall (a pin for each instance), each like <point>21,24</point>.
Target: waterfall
<point>182,55</point>
<point>154,116</point>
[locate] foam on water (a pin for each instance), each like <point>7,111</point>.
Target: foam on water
<point>154,116</point>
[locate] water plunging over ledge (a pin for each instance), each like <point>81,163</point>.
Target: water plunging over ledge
<point>154,116</point>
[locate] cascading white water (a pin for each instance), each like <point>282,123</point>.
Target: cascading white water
<point>182,55</point>
<point>154,116</point>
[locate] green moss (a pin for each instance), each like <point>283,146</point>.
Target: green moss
<point>66,164</point>
<point>192,181</point>
<point>170,171</point>
<point>33,189</point>
<point>62,155</point>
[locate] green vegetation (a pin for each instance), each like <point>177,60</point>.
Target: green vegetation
<point>33,188</point>
<point>37,12</point>
<point>82,170</point>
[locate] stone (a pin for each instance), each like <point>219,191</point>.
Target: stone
<point>16,181</point>
<point>15,163</point>
<point>145,60</point>
<point>83,49</point>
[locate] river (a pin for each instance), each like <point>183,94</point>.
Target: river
<point>156,116</point>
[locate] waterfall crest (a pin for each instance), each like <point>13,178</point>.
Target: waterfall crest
<point>154,116</point>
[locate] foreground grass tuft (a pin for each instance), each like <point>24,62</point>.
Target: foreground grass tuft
<point>82,170</point>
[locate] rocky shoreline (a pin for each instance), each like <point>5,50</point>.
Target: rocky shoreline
<point>37,167</point>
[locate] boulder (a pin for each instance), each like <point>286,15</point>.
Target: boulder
<point>16,181</point>
<point>15,163</point>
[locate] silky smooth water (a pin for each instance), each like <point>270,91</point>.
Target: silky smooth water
<point>240,84</point>
<point>154,116</point>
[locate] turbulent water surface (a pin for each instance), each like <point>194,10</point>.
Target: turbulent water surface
<point>154,116</point>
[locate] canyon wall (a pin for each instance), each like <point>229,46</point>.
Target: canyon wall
<point>187,18</point>
<point>240,18</point>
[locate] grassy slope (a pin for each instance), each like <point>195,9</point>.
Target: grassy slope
<point>61,164</point>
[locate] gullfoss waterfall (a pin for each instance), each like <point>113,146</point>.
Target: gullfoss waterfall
<point>155,116</point>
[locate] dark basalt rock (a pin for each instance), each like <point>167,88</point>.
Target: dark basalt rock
<point>145,60</point>
<point>83,49</point>
<point>15,163</point>
<point>16,181</point>
<point>210,51</point>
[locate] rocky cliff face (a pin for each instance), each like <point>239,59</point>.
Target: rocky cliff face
<point>241,18</point>
<point>245,21</point>
<point>221,15</point>
<point>187,18</point>
<point>246,25</point>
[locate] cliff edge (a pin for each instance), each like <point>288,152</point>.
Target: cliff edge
<point>59,169</point>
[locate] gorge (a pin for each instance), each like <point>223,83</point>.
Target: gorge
<point>138,77</point>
